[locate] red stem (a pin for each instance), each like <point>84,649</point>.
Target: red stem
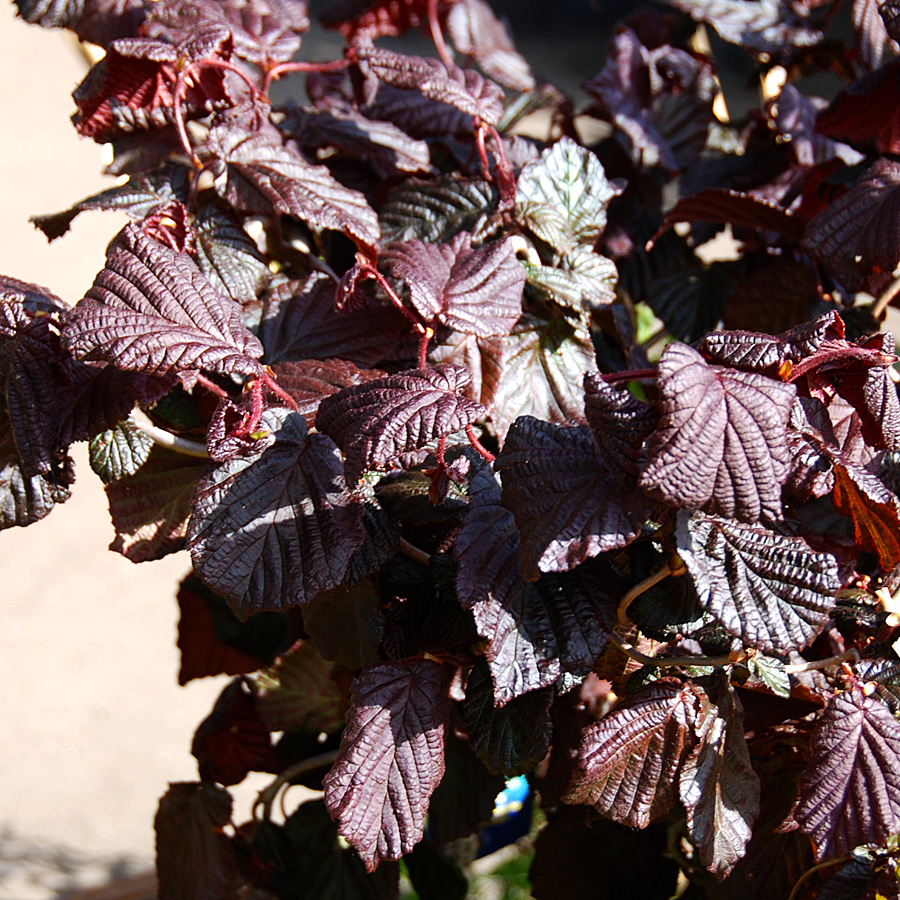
<point>278,71</point>
<point>470,433</point>
<point>482,151</point>
<point>212,387</point>
<point>437,35</point>
<point>423,347</point>
<point>371,272</point>
<point>278,391</point>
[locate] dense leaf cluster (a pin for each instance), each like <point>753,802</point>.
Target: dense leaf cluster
<point>485,464</point>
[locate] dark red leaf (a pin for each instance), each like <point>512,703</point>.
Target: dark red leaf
<point>150,509</point>
<point>232,740</point>
<point>511,739</point>
<point>463,89</point>
<point>391,758</point>
<point>510,613</point>
<point>24,499</point>
<point>722,440</point>
<point>375,422</point>
<point>194,857</point>
<point>874,509</point>
<point>850,793</point>
<point>857,237</point>
<point>257,173</point>
<point>375,18</point>
<point>152,310</point>
<point>769,589</point>
<point>273,530</point>
<point>300,323</point>
<point>95,21</point>
<point>568,507</point>
<point>628,762</point>
<point>473,291</point>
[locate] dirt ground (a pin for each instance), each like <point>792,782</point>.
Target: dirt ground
<point>92,722</point>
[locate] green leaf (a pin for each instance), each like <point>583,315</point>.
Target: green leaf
<point>771,673</point>
<point>119,452</point>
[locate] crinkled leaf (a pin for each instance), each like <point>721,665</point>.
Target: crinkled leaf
<point>722,440</point>
<point>850,793</point>
<point>620,424</point>
<point>418,115</point>
<point>152,310</point>
<point>233,740</point>
<point>510,613</point>
<point>300,323</point>
<point>463,89</point>
<point>259,174</point>
<point>194,857</point>
<point>511,739</point>
<point>477,32</point>
<point>391,758</point>
<point>571,181</point>
<point>96,21</point>
<point>769,589</point>
<point>299,692</point>
<point>374,18</point>
<point>628,762</point>
<point>383,145</point>
<point>375,422</point>
<point>474,291</point>
<point>536,371</point>
<point>273,530</point>
<point>346,623</point>
<point>120,451</point>
<point>872,36</point>
<point>140,197</point>
<point>464,800</point>
<point>568,507</point>
<point>263,31</point>
<point>228,257</point>
<point>771,673</point>
<point>435,211</point>
<point>874,509</point>
<point>857,237</point>
<point>24,499</point>
<point>150,509</point>
<point>718,787</point>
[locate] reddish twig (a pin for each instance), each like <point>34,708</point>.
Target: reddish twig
<point>479,447</point>
<point>283,69</point>
<point>437,35</point>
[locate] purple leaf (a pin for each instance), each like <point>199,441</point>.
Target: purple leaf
<point>850,793</point>
<point>435,211</point>
<point>769,589</point>
<point>568,507</point>
<point>152,310</point>
<point>477,32</point>
<point>620,424</point>
<point>463,89</point>
<point>391,758</point>
<point>510,613</point>
<point>257,173</point>
<point>871,34</point>
<point>628,762</point>
<point>722,440</point>
<point>273,530</point>
<point>24,499</point>
<point>96,21</point>
<point>377,421</point>
<point>300,323</point>
<point>511,739</point>
<point>474,291</point>
<point>150,509</point>
<point>856,237</point>
<point>718,787</point>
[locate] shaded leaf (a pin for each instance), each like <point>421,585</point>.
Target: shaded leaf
<point>510,613</point>
<point>722,442</point>
<point>474,291</point>
<point>151,310</point>
<point>299,692</point>
<point>391,758</point>
<point>435,211</point>
<point>568,507</point>
<point>718,787</point>
<point>23,499</point>
<point>377,421</point>
<point>435,875</point>
<point>273,530</point>
<point>628,762</point>
<point>150,509</point>
<point>346,624</point>
<point>769,589</point>
<point>194,859</point>
<point>256,173</point>
<point>570,180</point>
<point>850,793</point>
<point>511,739</point>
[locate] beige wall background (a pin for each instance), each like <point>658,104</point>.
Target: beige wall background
<point>92,722</point>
